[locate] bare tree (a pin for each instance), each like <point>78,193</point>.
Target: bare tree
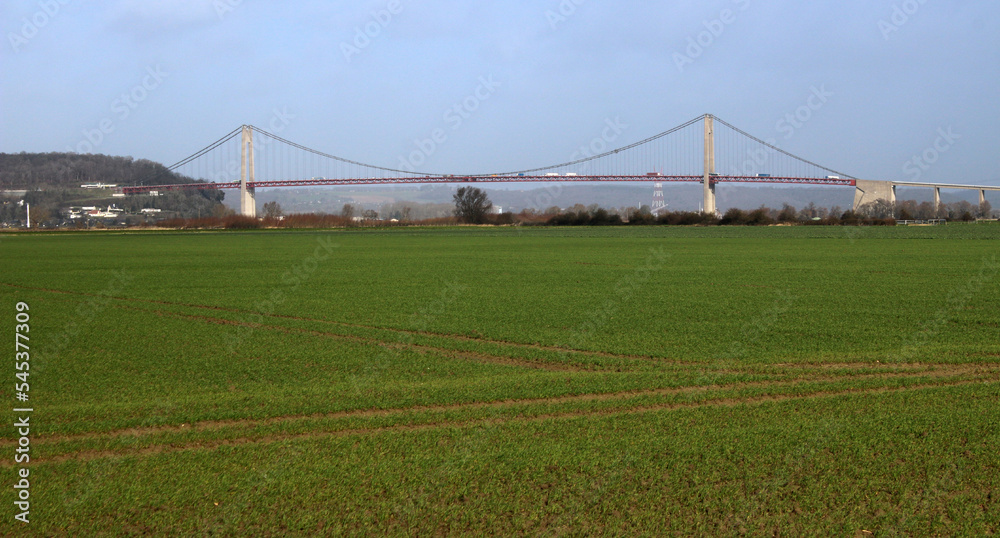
<point>808,212</point>
<point>879,209</point>
<point>788,214</point>
<point>272,210</point>
<point>985,209</point>
<point>221,211</point>
<point>347,212</point>
<point>961,210</point>
<point>472,205</point>
<point>926,210</point>
<point>907,209</point>
<point>942,212</point>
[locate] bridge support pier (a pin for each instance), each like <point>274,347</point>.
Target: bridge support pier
<point>709,207</point>
<point>982,196</point>
<point>937,199</point>
<point>867,191</point>
<point>248,200</point>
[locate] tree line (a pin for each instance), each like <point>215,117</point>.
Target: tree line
<point>472,206</point>
<point>878,213</point>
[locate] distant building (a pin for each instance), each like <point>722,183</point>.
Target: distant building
<point>112,212</point>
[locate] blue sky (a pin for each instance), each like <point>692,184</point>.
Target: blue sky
<point>364,80</point>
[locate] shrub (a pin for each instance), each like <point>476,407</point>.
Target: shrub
<point>734,217</point>
<point>239,222</point>
<point>787,214</point>
<point>760,217</point>
<point>503,219</point>
<point>641,218</point>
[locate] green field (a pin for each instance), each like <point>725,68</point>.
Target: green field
<point>692,381</point>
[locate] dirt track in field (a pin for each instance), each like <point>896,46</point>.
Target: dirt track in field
<point>405,332</point>
<point>792,381</point>
<point>946,377</point>
<point>484,357</point>
<point>212,444</point>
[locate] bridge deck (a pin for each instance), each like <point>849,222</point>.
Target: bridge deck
<point>944,186</point>
<point>138,189</point>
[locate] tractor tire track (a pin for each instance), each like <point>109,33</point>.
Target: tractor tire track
<point>452,353</point>
<point>209,426</point>
<point>446,336</point>
<point>493,421</point>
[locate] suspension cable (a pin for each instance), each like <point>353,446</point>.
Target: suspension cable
<point>192,157</point>
<point>779,150</point>
<point>229,136</point>
<point>334,157</point>
<point>563,165</point>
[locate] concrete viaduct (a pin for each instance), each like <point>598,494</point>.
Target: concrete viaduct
<point>867,191</point>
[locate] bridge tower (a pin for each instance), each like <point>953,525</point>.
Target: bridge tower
<point>709,186</point>
<point>248,200</point>
<point>659,201</point>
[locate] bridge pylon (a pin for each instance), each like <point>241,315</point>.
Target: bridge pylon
<point>248,200</point>
<point>709,185</point>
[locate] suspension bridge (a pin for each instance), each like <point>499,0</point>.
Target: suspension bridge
<point>686,153</point>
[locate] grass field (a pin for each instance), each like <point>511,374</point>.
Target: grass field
<point>797,380</point>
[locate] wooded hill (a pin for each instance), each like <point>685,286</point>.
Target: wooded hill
<point>31,171</point>
<point>53,183</point>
